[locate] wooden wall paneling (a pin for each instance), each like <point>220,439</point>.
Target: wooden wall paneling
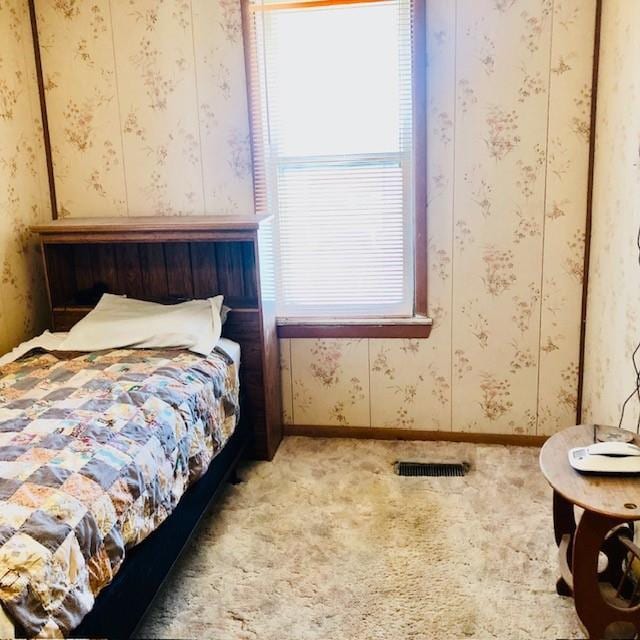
<point>83,266</point>
<point>203,266</point>
<point>128,270</point>
<point>104,266</point>
<point>252,384</point>
<point>64,318</point>
<point>244,327</point>
<point>60,270</point>
<point>250,270</point>
<point>229,266</point>
<point>179,274</point>
<point>153,269</point>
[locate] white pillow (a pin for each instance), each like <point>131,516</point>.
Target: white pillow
<point>117,321</point>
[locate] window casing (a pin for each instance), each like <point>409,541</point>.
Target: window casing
<point>333,113</point>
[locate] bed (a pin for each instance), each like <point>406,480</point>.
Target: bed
<point>96,450</point>
<point>117,455</point>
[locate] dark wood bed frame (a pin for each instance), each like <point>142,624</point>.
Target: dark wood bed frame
<point>170,259</point>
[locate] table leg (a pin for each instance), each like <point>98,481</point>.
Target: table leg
<point>564,520</point>
<point>564,524</point>
<point>616,553</point>
<point>593,610</point>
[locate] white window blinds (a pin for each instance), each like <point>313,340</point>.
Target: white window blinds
<point>331,103</point>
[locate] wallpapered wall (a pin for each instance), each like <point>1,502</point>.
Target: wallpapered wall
<point>613,326</point>
<point>24,195</point>
<point>508,128</point>
<point>148,115</point>
<point>147,106</point>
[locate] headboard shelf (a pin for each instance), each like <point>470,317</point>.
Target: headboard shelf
<point>65,317</point>
<point>236,304</point>
<point>162,271</point>
<point>150,229</point>
<point>169,260</point>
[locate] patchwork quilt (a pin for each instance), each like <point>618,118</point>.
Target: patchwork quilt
<point>95,452</point>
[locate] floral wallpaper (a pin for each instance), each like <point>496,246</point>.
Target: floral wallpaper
<point>613,314</point>
<point>147,106</point>
<point>508,126</point>
<point>24,195</point>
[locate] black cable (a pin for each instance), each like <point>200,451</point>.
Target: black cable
<point>624,404</point>
<point>633,357</point>
<point>636,367</point>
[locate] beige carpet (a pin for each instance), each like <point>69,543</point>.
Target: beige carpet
<point>327,543</point>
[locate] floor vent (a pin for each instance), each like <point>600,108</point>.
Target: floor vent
<point>431,469</point>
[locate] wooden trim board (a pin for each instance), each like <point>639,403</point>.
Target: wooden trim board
<point>420,142</point>
<point>43,109</point>
<point>361,328</point>
<point>375,433</point>
<point>149,224</point>
<point>588,224</point>
<point>305,4</point>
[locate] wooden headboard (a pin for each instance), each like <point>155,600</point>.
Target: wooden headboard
<point>169,259</point>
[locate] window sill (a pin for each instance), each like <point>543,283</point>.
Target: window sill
<point>414,327</point>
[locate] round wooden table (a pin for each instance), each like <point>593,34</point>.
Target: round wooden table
<point>611,504</point>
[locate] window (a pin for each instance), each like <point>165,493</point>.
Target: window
<point>332,100</point>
